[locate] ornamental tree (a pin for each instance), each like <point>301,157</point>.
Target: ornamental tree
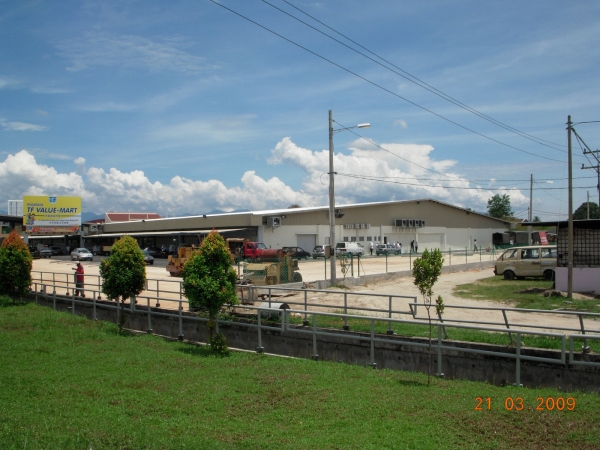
<point>124,271</point>
<point>581,213</point>
<point>209,279</point>
<point>15,266</point>
<point>499,206</point>
<point>426,271</point>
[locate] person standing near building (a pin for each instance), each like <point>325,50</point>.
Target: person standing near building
<point>79,280</point>
<point>412,246</point>
<point>475,245</point>
<point>371,248</point>
<point>416,246</point>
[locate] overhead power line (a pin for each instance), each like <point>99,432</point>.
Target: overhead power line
<point>381,87</point>
<point>411,78</point>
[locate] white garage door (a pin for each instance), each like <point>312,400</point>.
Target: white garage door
<point>307,241</point>
<point>430,241</point>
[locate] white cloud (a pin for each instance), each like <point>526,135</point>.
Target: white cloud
<point>110,190</point>
<point>21,126</point>
<point>128,51</point>
<point>401,123</point>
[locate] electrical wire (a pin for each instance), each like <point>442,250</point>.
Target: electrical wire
<point>381,87</point>
<point>411,78</point>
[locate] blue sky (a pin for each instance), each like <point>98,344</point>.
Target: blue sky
<point>184,107</point>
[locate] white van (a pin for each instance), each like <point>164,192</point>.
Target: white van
<point>349,247</point>
<point>531,261</point>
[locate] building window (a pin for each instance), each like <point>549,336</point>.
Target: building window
<point>361,238</point>
<point>353,238</point>
<point>369,238</point>
<point>345,238</point>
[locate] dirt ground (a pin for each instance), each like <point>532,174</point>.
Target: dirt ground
<point>378,298</point>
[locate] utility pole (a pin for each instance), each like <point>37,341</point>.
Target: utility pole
<point>570,229</point>
<point>588,204</point>
<point>331,204</point>
<point>530,209</point>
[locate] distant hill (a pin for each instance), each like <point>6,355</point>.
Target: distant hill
<point>87,216</point>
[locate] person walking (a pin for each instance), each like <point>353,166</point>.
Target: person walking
<point>371,248</point>
<point>79,280</point>
<point>412,246</point>
<point>475,245</point>
<point>416,246</point>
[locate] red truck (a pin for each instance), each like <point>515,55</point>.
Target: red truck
<point>241,248</point>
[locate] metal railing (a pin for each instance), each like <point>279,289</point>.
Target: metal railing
<point>309,327</point>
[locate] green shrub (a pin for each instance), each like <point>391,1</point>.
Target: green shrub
<point>208,278</point>
<point>15,266</point>
<point>219,345</point>
<point>124,271</point>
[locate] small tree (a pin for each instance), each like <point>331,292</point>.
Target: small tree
<point>209,280</point>
<point>499,206</point>
<point>426,271</point>
<point>15,266</point>
<point>581,213</point>
<point>123,272</point>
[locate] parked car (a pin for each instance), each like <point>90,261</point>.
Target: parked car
<point>148,258</point>
<point>296,252</point>
<point>531,261</point>
<point>81,254</point>
<point>45,252</point>
<point>35,252</point>
<point>387,249</point>
<point>346,248</point>
<point>318,252</point>
<point>156,252</point>
<point>56,250</point>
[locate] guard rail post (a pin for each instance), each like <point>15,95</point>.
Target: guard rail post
<point>94,305</point>
<point>54,300</point>
<point>584,348</point>
<point>149,329</point>
<point>439,373</point>
<point>315,355</point>
<point>54,282</point>
<point>450,256</point>
<point>518,361</point>
<point>73,303</point>
<point>373,364</point>
<point>180,335</point>
<point>507,326</point>
<point>466,255</point>
<point>390,330</point>
<point>260,348</point>
<point>346,326</point>
<point>269,298</point>
<point>181,291</point>
<point>305,321</point>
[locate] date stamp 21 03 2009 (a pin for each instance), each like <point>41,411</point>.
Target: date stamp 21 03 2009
<point>519,404</point>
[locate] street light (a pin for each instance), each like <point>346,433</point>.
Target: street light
<point>331,193</point>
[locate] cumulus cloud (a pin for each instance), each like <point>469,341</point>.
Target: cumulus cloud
<point>21,126</point>
<point>365,174</point>
<point>401,123</point>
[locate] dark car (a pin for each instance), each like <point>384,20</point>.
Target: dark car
<point>35,252</point>
<point>56,250</point>
<point>296,252</point>
<point>148,258</point>
<point>156,252</point>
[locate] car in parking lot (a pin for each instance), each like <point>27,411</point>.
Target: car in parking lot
<point>56,250</point>
<point>148,258</point>
<point>156,252</point>
<point>296,252</point>
<point>318,252</point>
<point>81,254</point>
<point>530,261</point>
<point>387,249</point>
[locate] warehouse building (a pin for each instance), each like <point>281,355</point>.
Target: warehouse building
<point>433,224</point>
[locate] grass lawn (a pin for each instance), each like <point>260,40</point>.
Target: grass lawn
<point>505,291</point>
<point>67,382</point>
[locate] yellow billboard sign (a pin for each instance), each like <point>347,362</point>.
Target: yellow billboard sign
<point>51,215</point>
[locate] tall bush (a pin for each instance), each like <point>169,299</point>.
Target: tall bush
<point>426,271</point>
<point>15,266</point>
<point>209,279</point>
<point>123,272</point>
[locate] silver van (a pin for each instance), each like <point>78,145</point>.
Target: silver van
<point>346,248</point>
<point>531,261</point>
